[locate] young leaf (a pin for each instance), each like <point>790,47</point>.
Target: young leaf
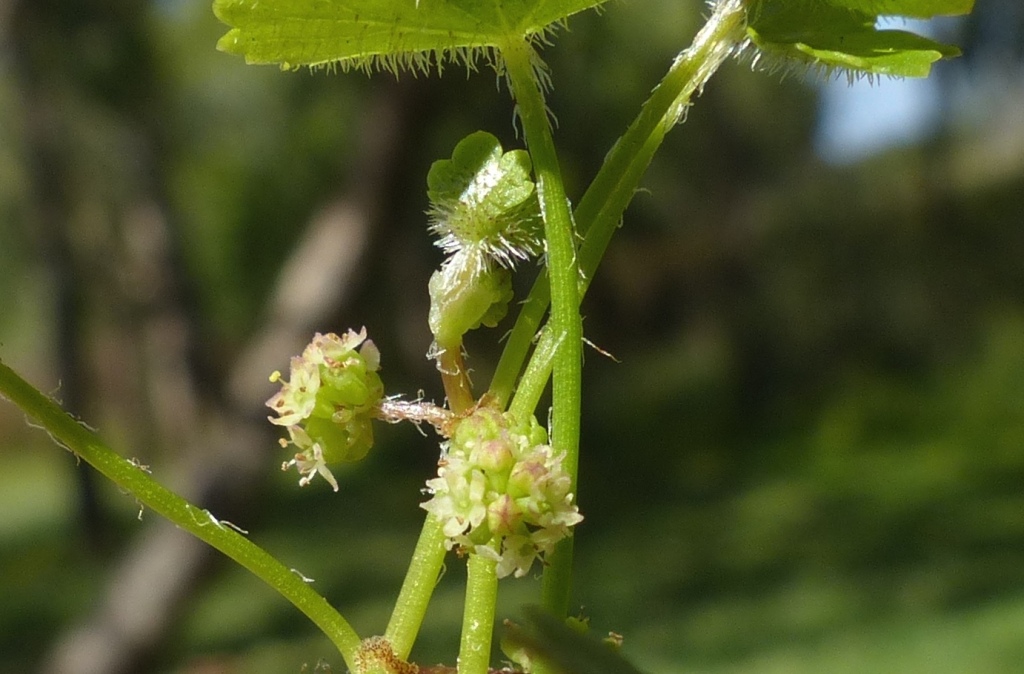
<point>388,34</point>
<point>484,198</point>
<point>484,208</point>
<point>842,34</point>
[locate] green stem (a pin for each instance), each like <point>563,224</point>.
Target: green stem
<point>563,274</point>
<point>455,380</point>
<point>132,478</point>
<point>600,210</point>
<point>478,616</point>
<point>428,557</point>
<point>535,378</point>
<point>519,340</point>
<point>420,580</point>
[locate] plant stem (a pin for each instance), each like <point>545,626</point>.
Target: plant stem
<point>134,479</point>
<point>563,274</point>
<point>420,580</point>
<point>478,616</point>
<point>535,378</point>
<point>428,557</point>
<point>455,380</point>
<point>600,210</point>
<point>519,339</point>
<point>612,189</point>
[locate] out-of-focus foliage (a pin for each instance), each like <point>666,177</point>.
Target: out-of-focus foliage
<point>809,459</point>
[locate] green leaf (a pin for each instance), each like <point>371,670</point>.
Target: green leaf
<point>484,198</point>
<point>389,34</point>
<point>484,208</point>
<point>919,9</point>
<point>479,182</point>
<point>565,649</point>
<point>841,34</point>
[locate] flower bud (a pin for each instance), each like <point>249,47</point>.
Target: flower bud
<point>465,294</point>
<point>485,211</point>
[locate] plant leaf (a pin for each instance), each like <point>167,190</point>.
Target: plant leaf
<point>567,651</point>
<point>918,9</point>
<point>842,34</point>
<point>484,198</point>
<point>383,33</point>
<point>484,208</point>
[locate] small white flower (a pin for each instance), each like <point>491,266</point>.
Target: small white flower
<point>333,350</point>
<point>297,397</point>
<point>518,554</point>
<point>310,461</point>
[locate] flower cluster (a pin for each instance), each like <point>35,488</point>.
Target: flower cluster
<point>328,403</point>
<point>501,491</point>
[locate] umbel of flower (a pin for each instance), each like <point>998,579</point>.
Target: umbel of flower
<point>328,403</point>
<point>501,491</point>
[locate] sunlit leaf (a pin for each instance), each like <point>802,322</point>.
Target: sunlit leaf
<point>919,9</point>
<point>381,33</point>
<point>484,208</point>
<point>842,35</point>
<point>485,197</point>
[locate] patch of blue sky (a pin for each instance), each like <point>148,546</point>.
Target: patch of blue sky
<point>859,120</point>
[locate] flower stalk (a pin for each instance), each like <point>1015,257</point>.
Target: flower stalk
<point>478,615</point>
<point>417,588</point>
<point>600,210</point>
<point>128,475</point>
<point>521,63</point>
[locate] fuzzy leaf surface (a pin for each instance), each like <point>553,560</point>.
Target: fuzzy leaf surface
<point>842,34</point>
<point>383,33</point>
<point>484,208</point>
<point>479,184</point>
<point>484,198</point>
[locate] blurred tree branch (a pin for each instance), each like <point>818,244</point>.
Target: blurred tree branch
<point>224,455</point>
<point>132,270</point>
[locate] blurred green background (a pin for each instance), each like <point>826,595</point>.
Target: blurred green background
<point>809,459</point>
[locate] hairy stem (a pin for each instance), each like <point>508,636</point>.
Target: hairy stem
<point>135,480</point>
<point>600,210</point>
<point>478,616</point>
<point>563,274</point>
<point>455,380</point>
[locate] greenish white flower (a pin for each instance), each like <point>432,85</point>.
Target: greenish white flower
<point>329,402</point>
<point>502,492</point>
<point>309,462</point>
<point>297,397</point>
